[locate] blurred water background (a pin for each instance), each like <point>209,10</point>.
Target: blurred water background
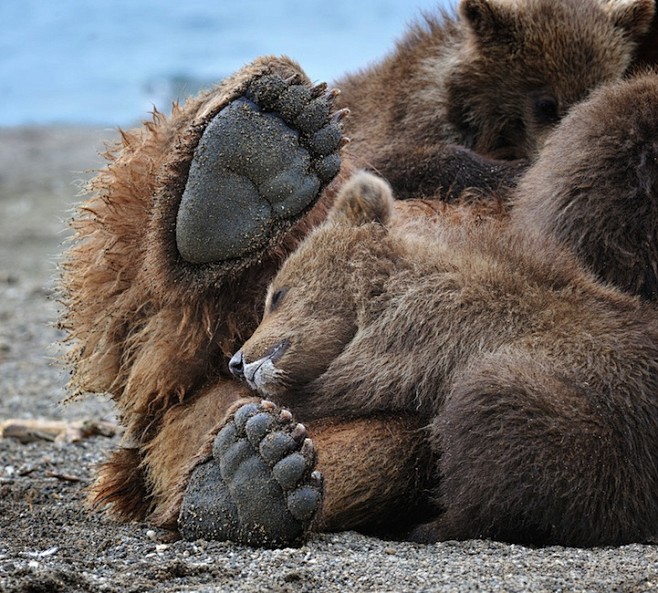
<point>108,62</point>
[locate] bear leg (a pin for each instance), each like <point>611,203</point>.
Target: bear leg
<point>531,455</point>
<point>376,476</point>
<point>259,487</point>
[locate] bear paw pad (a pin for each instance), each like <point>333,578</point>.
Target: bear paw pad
<point>260,164</point>
<point>260,487</point>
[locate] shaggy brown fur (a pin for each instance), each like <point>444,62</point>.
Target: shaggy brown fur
<point>541,385</point>
<point>155,331</point>
<point>491,83</point>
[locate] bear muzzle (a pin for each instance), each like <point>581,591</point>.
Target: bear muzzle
<point>262,374</point>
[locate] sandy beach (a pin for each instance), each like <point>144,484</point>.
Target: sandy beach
<point>50,542</point>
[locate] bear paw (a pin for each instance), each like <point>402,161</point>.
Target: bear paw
<point>260,164</point>
<point>259,488</point>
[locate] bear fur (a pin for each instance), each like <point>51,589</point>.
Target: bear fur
<point>571,189</point>
<point>156,332</point>
<point>539,384</point>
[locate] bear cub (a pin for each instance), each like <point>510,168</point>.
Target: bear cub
<point>538,384</point>
<point>462,102</point>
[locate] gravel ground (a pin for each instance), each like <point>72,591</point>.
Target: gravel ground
<point>50,543</point>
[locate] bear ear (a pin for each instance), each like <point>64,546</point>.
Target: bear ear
<point>632,16</point>
<point>488,19</point>
<point>365,198</point>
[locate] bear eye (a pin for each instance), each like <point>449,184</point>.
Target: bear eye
<point>277,297</point>
<point>546,110</point>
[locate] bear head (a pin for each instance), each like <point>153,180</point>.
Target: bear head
<point>524,64</point>
<point>313,305</point>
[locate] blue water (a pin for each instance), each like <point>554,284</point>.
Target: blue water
<point>109,61</point>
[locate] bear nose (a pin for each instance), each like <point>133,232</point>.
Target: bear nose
<point>236,365</point>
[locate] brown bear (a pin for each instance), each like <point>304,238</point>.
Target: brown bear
<point>538,383</point>
<point>195,212</point>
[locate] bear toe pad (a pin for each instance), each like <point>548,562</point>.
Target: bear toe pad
<point>260,164</point>
<point>260,487</point>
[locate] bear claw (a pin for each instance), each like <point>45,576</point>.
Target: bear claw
<point>260,164</point>
<point>260,487</point>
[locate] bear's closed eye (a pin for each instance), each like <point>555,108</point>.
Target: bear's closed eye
<point>277,297</point>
